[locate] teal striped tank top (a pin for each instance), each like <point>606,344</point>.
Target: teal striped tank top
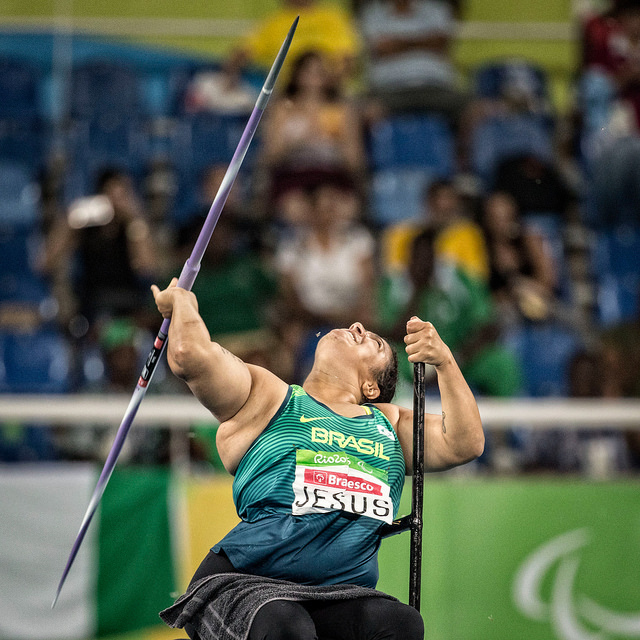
<point>313,491</point>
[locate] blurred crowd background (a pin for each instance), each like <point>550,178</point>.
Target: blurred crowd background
<point>382,183</point>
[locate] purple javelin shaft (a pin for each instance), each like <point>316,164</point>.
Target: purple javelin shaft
<point>185,281</point>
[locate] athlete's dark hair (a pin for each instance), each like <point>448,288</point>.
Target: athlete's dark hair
<point>387,378</point>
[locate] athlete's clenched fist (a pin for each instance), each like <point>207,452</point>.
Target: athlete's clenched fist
<point>424,344</point>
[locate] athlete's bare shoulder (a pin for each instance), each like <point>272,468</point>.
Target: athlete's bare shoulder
<point>267,389</point>
<point>236,435</point>
<point>391,411</point>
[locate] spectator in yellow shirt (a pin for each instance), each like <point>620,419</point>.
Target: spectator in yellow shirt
<point>458,240</point>
<point>323,27</point>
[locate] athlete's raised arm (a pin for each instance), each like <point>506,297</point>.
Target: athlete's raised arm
<point>221,381</point>
<point>456,436</point>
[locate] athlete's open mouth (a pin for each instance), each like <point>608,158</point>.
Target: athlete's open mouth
<point>353,335</point>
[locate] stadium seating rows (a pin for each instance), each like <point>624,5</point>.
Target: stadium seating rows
<point>113,119</point>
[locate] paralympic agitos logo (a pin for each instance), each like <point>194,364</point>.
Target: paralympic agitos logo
<point>572,616</point>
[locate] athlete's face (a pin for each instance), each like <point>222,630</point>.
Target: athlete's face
<point>355,347</point>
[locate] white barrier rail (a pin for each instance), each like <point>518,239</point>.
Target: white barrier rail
<point>181,412</point>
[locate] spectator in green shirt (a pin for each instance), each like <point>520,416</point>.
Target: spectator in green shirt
<point>233,286</point>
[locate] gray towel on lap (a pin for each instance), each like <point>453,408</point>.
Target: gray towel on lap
<point>223,606</point>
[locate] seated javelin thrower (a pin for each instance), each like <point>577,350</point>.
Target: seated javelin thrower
<point>318,471</point>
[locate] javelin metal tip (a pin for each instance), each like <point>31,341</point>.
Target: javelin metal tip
<point>279,61</point>
<point>293,28</point>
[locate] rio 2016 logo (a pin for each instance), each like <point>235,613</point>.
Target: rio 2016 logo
<point>572,616</point>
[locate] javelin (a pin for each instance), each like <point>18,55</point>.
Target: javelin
<point>185,281</point>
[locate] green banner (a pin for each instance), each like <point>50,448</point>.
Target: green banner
<point>524,560</point>
<point>136,565</point>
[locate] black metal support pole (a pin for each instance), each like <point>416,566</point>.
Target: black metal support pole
<point>417,491</point>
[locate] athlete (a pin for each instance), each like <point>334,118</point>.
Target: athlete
<point>319,468</point>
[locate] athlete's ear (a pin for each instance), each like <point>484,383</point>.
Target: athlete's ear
<point>370,390</point>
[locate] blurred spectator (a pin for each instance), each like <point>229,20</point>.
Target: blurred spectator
<point>103,250</point>
<point>160,187</point>
<point>235,208</point>
<point>536,186</point>
<point>457,238</point>
<point>311,132</point>
<point>603,452</point>
<point>122,347</point>
<point>410,67</point>
<point>549,210</point>
<point>219,92</point>
<point>598,453</point>
<point>326,270</point>
<point>621,345</point>
<point>323,27</point>
<point>611,47</point>
<point>461,308</point>
<point>462,311</point>
<point>620,359</point>
<point>609,90</point>
<point>522,272</point>
<point>26,443</point>
<point>510,114</point>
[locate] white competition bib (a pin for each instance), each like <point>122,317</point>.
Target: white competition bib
<point>336,481</point>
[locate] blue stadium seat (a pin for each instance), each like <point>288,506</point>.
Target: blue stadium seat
<point>199,141</point>
<point>25,288</point>
<point>397,195</point>
<point>545,351</point>
<point>19,82</point>
<point>490,79</point>
<point>111,137</point>
<point>424,141</point>
<point>15,252</point>
<point>500,137</point>
<point>19,196</point>
<point>19,281</point>
<point>407,152</point>
<point>214,138</point>
<point>108,140</point>
<point>101,87</point>
<point>157,93</point>
<point>616,266</point>
<point>36,362</point>
<point>24,140</point>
